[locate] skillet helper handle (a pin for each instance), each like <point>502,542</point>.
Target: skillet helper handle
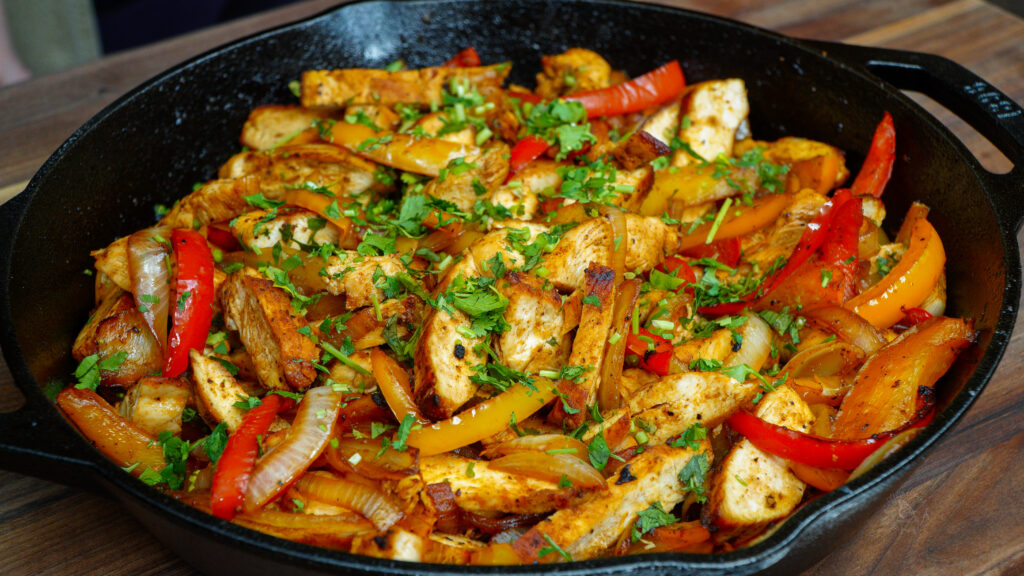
<point>40,444</point>
<point>978,103</point>
<point>34,439</point>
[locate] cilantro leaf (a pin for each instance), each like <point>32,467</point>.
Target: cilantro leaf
<point>88,371</point>
<point>649,519</point>
<point>215,443</point>
<point>693,475</point>
<point>599,452</point>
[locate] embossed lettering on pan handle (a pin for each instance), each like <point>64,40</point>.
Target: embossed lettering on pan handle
<point>983,106</point>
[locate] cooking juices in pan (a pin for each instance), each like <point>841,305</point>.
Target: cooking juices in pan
<point>423,315</point>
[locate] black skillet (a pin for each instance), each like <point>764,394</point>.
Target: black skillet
<point>152,144</point>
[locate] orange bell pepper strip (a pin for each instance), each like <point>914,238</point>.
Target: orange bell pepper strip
<point>657,86</point>
<point>319,203</point>
<point>112,435</point>
<point>483,420</point>
<point>739,221</point>
<point>427,156</point>
<point>393,382</point>
<point>877,168</point>
<point>885,391</point>
<point>908,284</point>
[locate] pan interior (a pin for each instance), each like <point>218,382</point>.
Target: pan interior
<point>150,147</point>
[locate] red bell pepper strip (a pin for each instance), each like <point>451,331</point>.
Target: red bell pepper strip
<point>840,249</point>
<point>675,266</point>
<point>525,151</point>
<point>726,251</point>
<point>656,359</point>
<point>525,97</point>
<point>914,316</point>
<point>192,306</point>
<point>467,58</point>
<point>222,239</point>
<point>840,245</point>
<point>239,457</point>
<point>877,168</point>
<point>821,452</point>
<point>811,241</point>
<point>657,86</point>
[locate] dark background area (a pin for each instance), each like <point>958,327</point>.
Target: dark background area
<point>125,24</point>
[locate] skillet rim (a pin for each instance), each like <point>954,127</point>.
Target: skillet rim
<point>759,556</point>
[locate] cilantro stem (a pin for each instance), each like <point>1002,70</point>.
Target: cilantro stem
<point>330,349</point>
<point>718,220</point>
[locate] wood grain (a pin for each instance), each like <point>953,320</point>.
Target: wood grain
<point>959,513</point>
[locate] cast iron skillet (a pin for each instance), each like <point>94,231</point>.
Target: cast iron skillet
<point>152,144</point>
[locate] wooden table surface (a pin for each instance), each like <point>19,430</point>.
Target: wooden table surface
<point>959,513</point>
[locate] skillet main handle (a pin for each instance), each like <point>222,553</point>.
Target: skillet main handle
<point>35,439</point>
<point>981,105</point>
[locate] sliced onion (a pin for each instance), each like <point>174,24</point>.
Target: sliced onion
<point>489,525</point>
<point>463,241</point>
<point>895,443</point>
<point>550,467</point>
<point>280,519</point>
<point>608,397</point>
<point>365,499</point>
<point>437,240</point>
<point>849,326</point>
<point>824,479</point>
<point>308,436</point>
<point>540,443</point>
<point>148,264</point>
<point>393,382</point>
<point>619,231</point>
<point>756,345</point>
<point>331,531</point>
<point>829,359</point>
<point>363,455</point>
<point>496,554</point>
<point>821,390</point>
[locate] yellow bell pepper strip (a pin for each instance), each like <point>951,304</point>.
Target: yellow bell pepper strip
<point>483,420</point>
<point>657,86</point>
<point>740,221</point>
<point>427,156</point>
<point>877,168</point>
<point>885,391</point>
<point>112,435</point>
<point>908,284</point>
<point>689,185</point>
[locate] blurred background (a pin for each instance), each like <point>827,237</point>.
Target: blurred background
<point>38,37</point>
